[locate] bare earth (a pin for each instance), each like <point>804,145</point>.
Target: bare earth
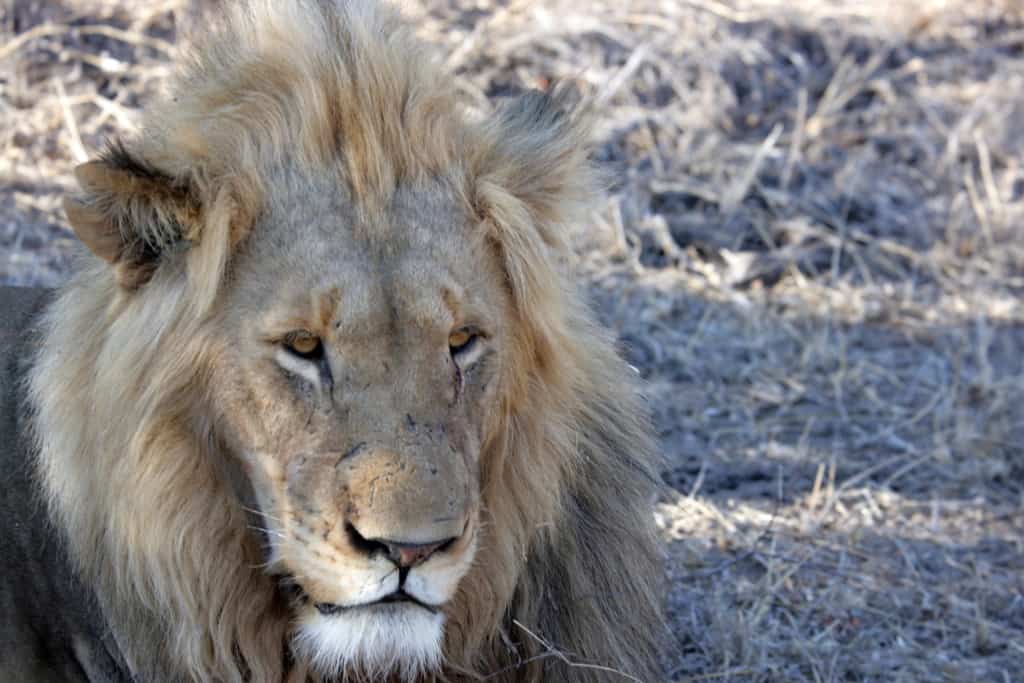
<point>812,249</point>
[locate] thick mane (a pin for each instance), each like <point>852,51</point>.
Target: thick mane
<point>312,79</point>
<point>129,452</point>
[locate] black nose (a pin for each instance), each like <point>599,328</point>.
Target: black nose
<point>405,555</point>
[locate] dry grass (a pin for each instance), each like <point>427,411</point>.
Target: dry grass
<point>813,252</point>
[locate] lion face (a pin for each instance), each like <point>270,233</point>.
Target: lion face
<point>355,392</point>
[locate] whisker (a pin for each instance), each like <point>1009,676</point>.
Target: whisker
<point>262,513</point>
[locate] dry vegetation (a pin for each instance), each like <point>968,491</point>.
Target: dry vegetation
<point>812,251</point>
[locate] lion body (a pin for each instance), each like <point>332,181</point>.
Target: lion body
<point>51,630</point>
<point>312,164</point>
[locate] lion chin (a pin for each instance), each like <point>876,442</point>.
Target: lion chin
<point>378,641</point>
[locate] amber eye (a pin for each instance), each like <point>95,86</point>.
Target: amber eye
<point>304,345</point>
<point>461,341</point>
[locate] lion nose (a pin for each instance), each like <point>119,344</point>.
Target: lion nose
<point>411,554</point>
<point>405,555</point>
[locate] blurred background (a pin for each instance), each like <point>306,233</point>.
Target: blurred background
<point>813,252</point>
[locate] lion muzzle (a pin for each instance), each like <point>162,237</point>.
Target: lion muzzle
<point>395,513</point>
<point>381,537</point>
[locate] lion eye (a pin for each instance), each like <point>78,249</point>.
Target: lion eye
<point>461,341</point>
<point>304,345</point>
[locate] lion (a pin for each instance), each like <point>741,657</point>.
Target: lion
<point>321,400</point>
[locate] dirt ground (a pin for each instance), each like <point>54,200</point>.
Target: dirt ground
<point>813,251</point>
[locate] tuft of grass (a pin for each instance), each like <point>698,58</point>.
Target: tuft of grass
<point>811,250</point>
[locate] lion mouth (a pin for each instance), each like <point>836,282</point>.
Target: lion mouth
<point>399,597</point>
<point>329,609</point>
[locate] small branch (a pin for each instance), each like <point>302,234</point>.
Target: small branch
<point>46,30</point>
<point>550,651</point>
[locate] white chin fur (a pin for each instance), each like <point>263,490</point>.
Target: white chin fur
<point>376,642</point>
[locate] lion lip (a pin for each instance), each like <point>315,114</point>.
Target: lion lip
<point>398,597</point>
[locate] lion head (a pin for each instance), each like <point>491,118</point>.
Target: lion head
<point>323,401</point>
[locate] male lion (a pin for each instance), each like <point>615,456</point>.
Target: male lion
<point>322,402</point>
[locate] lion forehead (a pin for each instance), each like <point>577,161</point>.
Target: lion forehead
<point>314,255</point>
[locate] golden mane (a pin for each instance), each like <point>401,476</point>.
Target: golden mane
<point>130,466</point>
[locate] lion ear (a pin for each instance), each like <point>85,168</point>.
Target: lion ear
<point>545,144</point>
<point>130,214</point>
